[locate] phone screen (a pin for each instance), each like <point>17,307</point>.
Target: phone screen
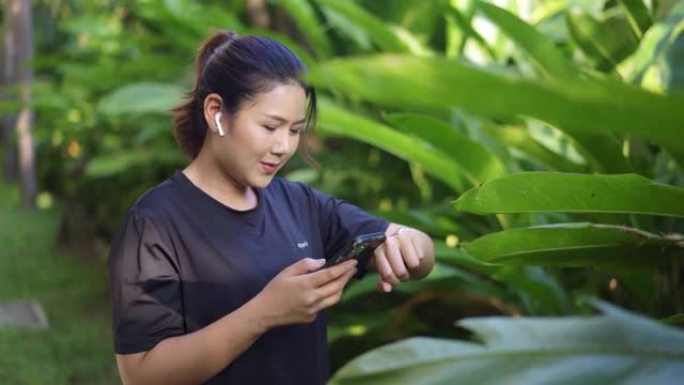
<point>360,249</point>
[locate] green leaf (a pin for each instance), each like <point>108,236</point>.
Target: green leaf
<point>616,347</point>
<point>464,24</point>
<point>308,24</point>
<point>536,287</point>
<point>551,191</point>
<point>604,152</point>
<point>106,165</point>
<point>140,98</point>
<point>676,319</point>
<point>335,120</point>
<point>656,42</point>
<point>609,41</point>
<point>519,138</point>
<point>638,16</point>
<point>376,29</point>
<point>581,105</point>
<point>579,244</point>
<point>538,47</point>
<point>476,162</point>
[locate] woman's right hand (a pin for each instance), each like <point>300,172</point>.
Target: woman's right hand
<point>301,290</point>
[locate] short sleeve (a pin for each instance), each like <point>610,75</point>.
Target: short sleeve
<point>144,287</point>
<point>341,221</point>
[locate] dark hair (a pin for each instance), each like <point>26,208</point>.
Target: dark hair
<point>237,68</point>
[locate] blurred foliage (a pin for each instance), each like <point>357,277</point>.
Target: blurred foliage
<point>539,143</point>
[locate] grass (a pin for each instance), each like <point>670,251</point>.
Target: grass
<point>77,348</point>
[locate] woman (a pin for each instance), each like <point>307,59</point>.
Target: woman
<point>217,274</point>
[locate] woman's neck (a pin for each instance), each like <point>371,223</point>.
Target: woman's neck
<point>210,178</point>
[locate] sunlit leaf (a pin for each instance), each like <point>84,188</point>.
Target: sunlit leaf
<point>656,42</point>
<point>335,120</point>
<point>550,191</point>
<point>608,41</point>
<point>538,47</point>
<point>582,105</point>
<point>637,14</point>
<point>477,163</point>
<point>519,138</point>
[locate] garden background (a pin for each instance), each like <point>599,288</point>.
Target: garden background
<point>539,142</point>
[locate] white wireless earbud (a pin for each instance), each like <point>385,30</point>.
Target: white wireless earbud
<point>217,119</point>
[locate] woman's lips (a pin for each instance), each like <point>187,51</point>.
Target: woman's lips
<point>269,168</point>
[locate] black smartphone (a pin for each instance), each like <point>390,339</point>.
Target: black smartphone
<point>360,249</point>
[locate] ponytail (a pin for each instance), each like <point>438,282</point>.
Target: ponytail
<point>189,125</point>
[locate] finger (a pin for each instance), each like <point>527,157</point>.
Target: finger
<point>304,266</point>
<point>395,259</point>
<point>383,286</point>
<point>334,291</point>
<point>333,287</point>
<point>408,252</point>
<point>383,266</point>
<point>323,276</point>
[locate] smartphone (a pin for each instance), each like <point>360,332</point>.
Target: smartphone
<point>360,249</point>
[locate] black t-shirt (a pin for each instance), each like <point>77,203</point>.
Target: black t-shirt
<point>181,260</point>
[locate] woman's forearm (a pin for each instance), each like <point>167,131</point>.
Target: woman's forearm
<point>196,357</point>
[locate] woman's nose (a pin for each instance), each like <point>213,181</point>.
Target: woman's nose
<point>283,142</point>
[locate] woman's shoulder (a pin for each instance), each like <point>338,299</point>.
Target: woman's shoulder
<point>156,201</point>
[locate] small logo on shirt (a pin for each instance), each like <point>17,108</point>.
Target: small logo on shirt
<point>302,245</point>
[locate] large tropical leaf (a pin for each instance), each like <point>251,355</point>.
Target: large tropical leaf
<point>550,191</point>
<point>589,105</point>
<point>456,41</point>
<point>638,16</point>
<point>579,244</point>
<point>106,165</point>
<point>603,151</point>
<point>540,49</point>
<point>377,30</point>
<point>600,148</point>
<point>616,347</point>
<point>141,98</point>
<point>336,120</point>
<point>477,163</point>
<point>303,14</point>
<point>536,288</point>
<point>518,137</point>
<point>607,41</point>
<point>656,41</point>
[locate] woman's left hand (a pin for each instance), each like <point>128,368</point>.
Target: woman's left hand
<point>406,254</point>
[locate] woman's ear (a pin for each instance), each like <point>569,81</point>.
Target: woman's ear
<point>212,112</point>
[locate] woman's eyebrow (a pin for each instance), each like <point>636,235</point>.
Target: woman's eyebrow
<point>283,120</point>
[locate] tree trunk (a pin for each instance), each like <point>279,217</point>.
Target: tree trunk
<point>257,11</point>
<point>22,25</point>
<point>7,91</point>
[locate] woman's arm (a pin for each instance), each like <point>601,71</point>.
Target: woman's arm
<point>193,358</point>
<point>406,254</point>
<point>296,295</point>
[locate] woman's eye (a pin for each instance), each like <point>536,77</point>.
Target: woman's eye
<point>295,131</point>
<point>269,128</point>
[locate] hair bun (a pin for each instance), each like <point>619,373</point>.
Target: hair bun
<point>232,35</point>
